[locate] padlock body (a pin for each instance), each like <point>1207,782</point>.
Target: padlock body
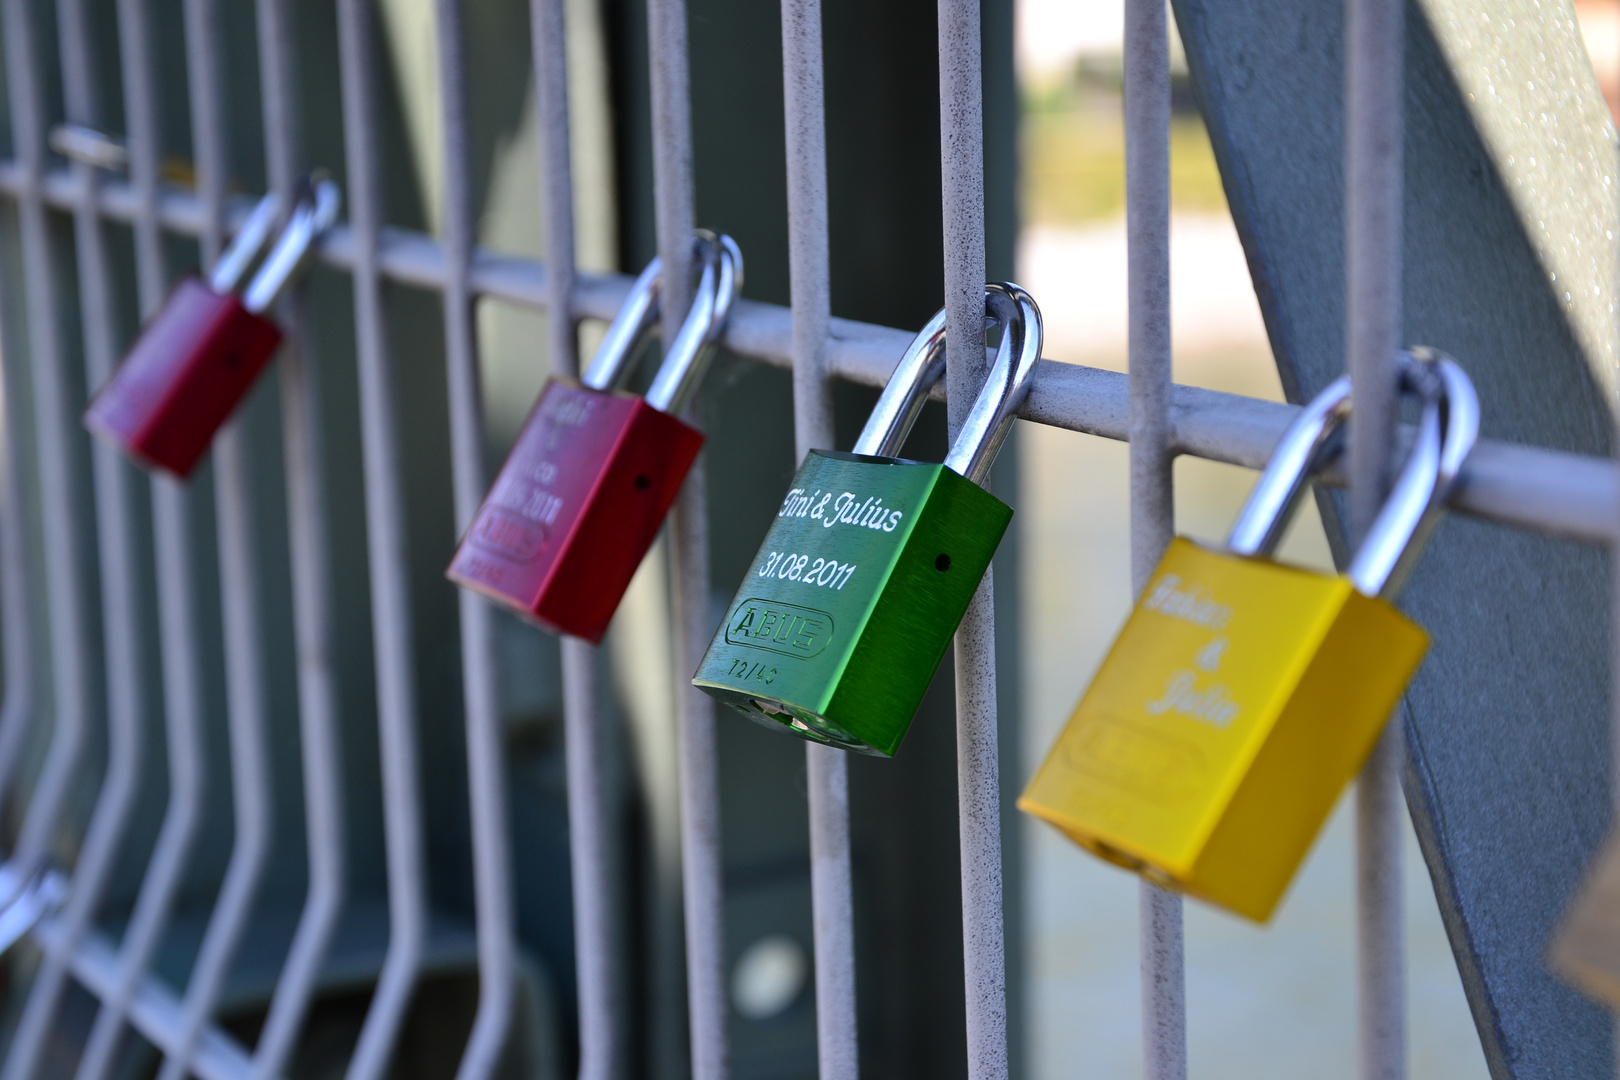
<point>575,507</point>
<point>1585,949</point>
<point>1236,704</point>
<point>190,367</point>
<point>847,610</point>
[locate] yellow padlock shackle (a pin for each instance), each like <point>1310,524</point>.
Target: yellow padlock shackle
<point>1415,503</point>
<point>719,266</point>
<point>1005,388</point>
<point>1446,432</point>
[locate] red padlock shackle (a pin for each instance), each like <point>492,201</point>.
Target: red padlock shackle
<point>243,250</point>
<point>720,267</point>
<point>314,212</point>
<point>688,358</point>
<point>1005,388</point>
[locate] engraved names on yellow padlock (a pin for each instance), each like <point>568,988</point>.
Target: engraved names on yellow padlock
<point>1236,703</point>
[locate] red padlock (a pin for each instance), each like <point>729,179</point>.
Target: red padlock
<point>594,471</point>
<point>198,356</point>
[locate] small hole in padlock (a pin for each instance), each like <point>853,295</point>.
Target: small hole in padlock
<point>643,482</point>
<point>943,563</point>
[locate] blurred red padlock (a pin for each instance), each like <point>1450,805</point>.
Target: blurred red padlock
<point>198,356</point>
<point>594,471</point>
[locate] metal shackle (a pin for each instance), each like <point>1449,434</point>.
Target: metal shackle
<point>243,250</point>
<point>1310,442</point>
<point>687,358</point>
<point>1397,535</point>
<point>719,266</point>
<point>1446,431</point>
<point>1005,388</point>
<point>314,211</point>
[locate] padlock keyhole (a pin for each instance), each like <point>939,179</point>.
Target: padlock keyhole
<point>943,563</point>
<point>643,482</point>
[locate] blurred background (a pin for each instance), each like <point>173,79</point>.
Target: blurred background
<point>1262,1001</point>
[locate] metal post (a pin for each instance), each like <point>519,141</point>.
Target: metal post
<point>57,420</point>
<point>176,566</point>
<point>689,564</point>
<point>486,767</point>
<point>391,616</point>
<point>961,122</point>
<point>115,491</point>
<point>1374,129</point>
<point>311,582</point>
<point>1147,216</point>
<point>827,769</point>
<point>600,1038</point>
<point>250,782</point>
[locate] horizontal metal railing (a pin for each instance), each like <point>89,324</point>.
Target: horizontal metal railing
<point>1553,492</point>
<point>1546,491</point>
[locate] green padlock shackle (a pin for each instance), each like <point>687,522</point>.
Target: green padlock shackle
<point>313,213</point>
<point>719,265</point>
<point>1447,430</point>
<point>993,412</point>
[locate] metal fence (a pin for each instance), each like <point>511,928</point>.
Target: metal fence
<point>1546,491</point>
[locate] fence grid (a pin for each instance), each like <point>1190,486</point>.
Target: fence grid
<point>1547,491</point>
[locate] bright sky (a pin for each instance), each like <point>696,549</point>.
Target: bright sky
<point>1051,33</point>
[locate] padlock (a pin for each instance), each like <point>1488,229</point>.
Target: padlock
<point>1585,948</point>
<point>872,560</point>
<point>198,356</point>
<point>1242,695</point>
<point>594,471</point>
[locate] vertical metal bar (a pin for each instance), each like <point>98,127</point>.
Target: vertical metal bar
<point>1374,130</point>
<point>385,534</point>
<point>177,612</point>
<point>57,419</point>
<point>20,705</point>
<point>1147,211</point>
<point>311,583</point>
<point>115,491</point>
<point>486,775</point>
<point>701,884</point>
<point>961,130</point>
<point>827,770</point>
<point>250,781</point>
<point>600,1042</point>
<point>311,578</point>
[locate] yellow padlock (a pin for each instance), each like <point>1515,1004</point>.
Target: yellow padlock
<point>1243,695</point>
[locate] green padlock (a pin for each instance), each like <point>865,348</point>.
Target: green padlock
<point>872,560</point>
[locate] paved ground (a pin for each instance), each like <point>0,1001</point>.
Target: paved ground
<point>1262,1003</point>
